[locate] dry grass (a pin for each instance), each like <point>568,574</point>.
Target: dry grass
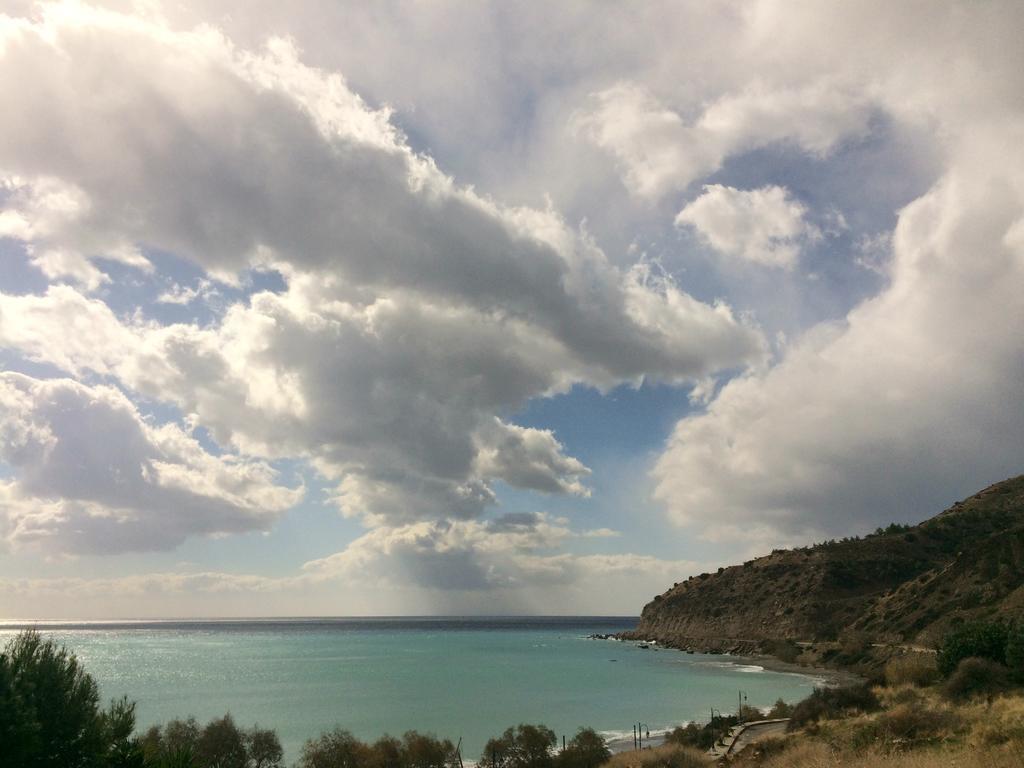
<point>820,755</point>
<point>667,756</point>
<point>912,669</point>
<point>917,728</point>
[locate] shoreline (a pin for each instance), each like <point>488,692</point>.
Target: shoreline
<point>831,675</point>
<point>828,676</point>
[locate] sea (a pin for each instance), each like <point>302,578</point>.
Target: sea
<point>464,678</point>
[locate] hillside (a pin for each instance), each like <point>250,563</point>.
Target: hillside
<point>905,584</point>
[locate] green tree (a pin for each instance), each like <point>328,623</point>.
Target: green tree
<point>124,750</point>
<point>1015,650</point>
<point>421,750</point>
<point>19,731</point>
<point>50,715</point>
<point>263,748</point>
<point>526,746</point>
<point>335,749</point>
<point>585,750</point>
<point>386,752</point>
<point>979,639</point>
<point>181,736</point>
<point>221,745</point>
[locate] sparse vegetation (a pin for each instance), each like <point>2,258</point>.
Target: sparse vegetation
<point>907,726</point>
<point>701,736</point>
<point>975,676</point>
<point>912,669</point>
<point>831,703</point>
<point>668,756</point>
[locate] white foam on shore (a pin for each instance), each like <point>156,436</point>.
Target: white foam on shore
<point>751,668</point>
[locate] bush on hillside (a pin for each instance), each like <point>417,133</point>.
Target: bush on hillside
<point>979,639</point>
<point>976,677</point>
<point>918,669</point>
<point>831,703</point>
<point>1015,650</point>
<point>770,747</point>
<point>50,715</point>
<point>783,650</point>
<point>907,726</point>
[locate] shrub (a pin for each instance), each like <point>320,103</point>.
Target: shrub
<point>912,669</point>
<point>748,713</point>
<point>908,725</point>
<point>666,756</point>
<point>780,709</point>
<point>770,747</point>
<point>585,750</point>
<point>830,703</point>
<point>1015,650</point>
<point>784,650</point>
<point>679,758</point>
<point>699,736</point>
<point>980,639</point>
<point>976,677</point>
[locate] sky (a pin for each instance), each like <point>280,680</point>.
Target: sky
<point>339,308</point>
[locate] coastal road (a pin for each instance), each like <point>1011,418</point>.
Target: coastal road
<point>757,731</point>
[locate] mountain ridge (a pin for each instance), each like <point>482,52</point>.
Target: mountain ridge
<point>900,585</point>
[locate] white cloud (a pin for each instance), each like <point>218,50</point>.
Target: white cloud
<point>913,399</point>
<point>47,213</point>
<point>656,150</point>
<point>907,405</point>
<point>183,295</point>
<point>93,476</point>
<point>513,552</point>
<point>416,311</point>
<point>765,226</point>
<point>659,151</point>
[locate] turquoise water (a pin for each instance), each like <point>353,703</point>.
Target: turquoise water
<point>468,678</point>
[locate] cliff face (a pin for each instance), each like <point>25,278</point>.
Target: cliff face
<point>903,585</point>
